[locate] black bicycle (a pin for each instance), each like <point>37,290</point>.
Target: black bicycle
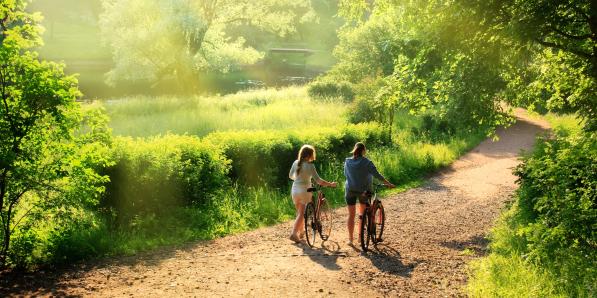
<point>373,219</point>
<point>318,217</point>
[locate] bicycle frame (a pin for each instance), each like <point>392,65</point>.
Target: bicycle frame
<point>320,199</point>
<point>370,207</point>
<point>316,225</point>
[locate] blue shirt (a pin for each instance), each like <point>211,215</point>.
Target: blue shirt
<point>359,173</point>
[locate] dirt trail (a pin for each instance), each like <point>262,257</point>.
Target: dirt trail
<point>432,232</point>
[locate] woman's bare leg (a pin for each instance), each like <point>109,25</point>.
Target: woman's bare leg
<point>350,222</point>
<point>361,212</point>
<point>300,218</point>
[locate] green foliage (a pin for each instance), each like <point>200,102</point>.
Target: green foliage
<point>558,187</point>
<point>561,25</point>
<point>47,165</point>
<point>423,60</point>
<point>157,174</point>
<point>264,157</point>
<point>327,89</point>
<point>552,59</point>
<point>557,82</point>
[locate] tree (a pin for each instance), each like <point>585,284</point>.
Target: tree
<point>561,39</point>
<point>44,162</point>
<point>430,57</point>
<point>570,26</point>
<point>157,40</point>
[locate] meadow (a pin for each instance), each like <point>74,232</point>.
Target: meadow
<point>259,133</point>
<point>190,168</point>
<point>277,109</point>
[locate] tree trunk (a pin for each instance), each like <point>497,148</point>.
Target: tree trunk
<point>5,245</point>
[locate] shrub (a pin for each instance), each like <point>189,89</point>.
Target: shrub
<point>434,129</point>
<point>558,191</point>
<point>264,157</point>
<point>328,89</point>
<point>156,174</point>
<point>363,110</point>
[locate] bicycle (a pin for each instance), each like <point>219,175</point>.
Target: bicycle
<point>318,217</point>
<point>373,219</point>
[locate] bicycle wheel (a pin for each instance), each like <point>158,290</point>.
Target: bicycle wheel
<point>378,221</point>
<point>310,224</point>
<point>364,232</point>
<point>325,220</point>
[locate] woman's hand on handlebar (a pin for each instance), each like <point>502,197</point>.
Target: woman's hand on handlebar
<point>333,184</point>
<point>388,184</point>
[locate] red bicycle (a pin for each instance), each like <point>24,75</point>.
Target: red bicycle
<point>318,217</point>
<point>373,220</point>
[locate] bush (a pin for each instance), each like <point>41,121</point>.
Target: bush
<point>558,188</point>
<point>433,129</point>
<point>329,89</point>
<point>159,173</point>
<point>264,157</point>
<point>363,110</point>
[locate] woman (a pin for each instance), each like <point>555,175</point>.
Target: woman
<point>301,172</point>
<point>359,172</point>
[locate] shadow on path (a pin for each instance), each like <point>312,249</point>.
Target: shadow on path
<point>387,259</point>
<point>327,255</point>
<point>478,245</point>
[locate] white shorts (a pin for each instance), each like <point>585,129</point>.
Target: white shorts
<point>300,195</point>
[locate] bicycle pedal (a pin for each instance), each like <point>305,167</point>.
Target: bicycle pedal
<point>379,240</point>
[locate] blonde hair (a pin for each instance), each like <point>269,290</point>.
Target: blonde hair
<point>306,152</point>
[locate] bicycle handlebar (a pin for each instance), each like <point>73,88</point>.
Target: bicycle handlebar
<point>316,188</point>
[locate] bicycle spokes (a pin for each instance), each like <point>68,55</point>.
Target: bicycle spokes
<point>310,224</point>
<point>325,220</point>
<point>379,223</point>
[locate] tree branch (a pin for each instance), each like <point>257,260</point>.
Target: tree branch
<point>568,35</point>
<point>3,27</point>
<point>563,48</point>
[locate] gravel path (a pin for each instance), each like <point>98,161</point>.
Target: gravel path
<point>431,233</point>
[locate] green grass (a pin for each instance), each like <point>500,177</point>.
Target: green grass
<point>506,272</point>
<point>287,108</point>
<point>561,124</point>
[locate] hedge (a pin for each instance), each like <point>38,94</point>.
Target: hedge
<point>154,174</point>
<point>264,157</point>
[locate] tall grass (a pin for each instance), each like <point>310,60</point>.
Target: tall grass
<point>287,108</point>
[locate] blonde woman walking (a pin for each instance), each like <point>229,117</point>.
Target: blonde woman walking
<point>302,171</point>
